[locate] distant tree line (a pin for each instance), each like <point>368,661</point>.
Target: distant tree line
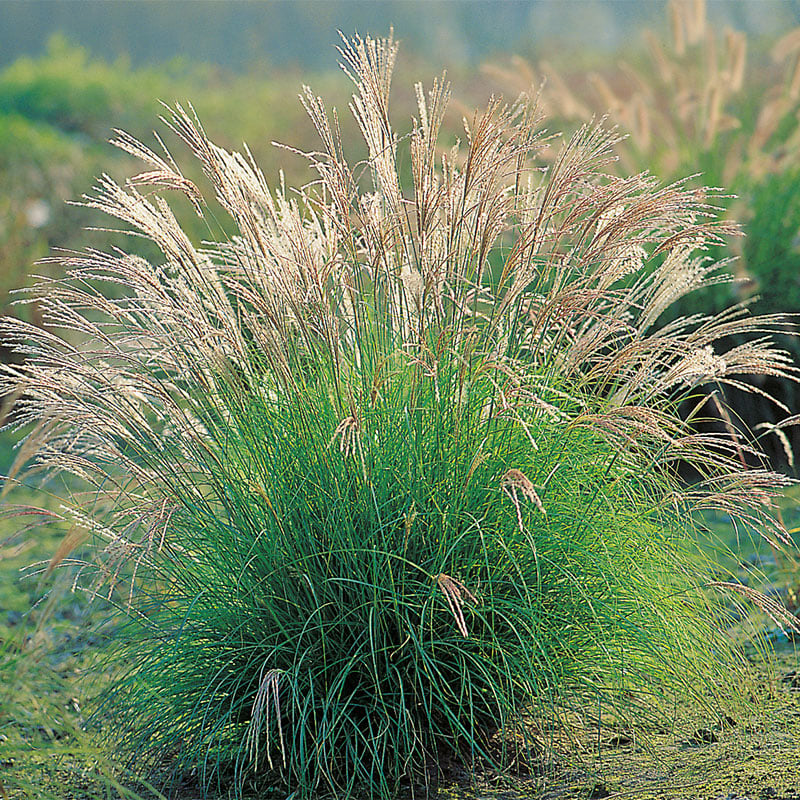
<point>303,32</point>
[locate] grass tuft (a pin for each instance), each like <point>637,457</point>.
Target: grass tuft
<point>386,484</point>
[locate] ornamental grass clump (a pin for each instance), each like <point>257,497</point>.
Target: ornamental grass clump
<point>385,482</point>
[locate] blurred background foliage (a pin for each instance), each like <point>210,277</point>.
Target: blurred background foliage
<point>711,91</point>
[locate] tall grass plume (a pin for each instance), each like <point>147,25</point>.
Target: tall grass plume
<point>389,476</point>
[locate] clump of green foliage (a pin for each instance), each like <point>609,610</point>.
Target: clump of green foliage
<point>388,476</point>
